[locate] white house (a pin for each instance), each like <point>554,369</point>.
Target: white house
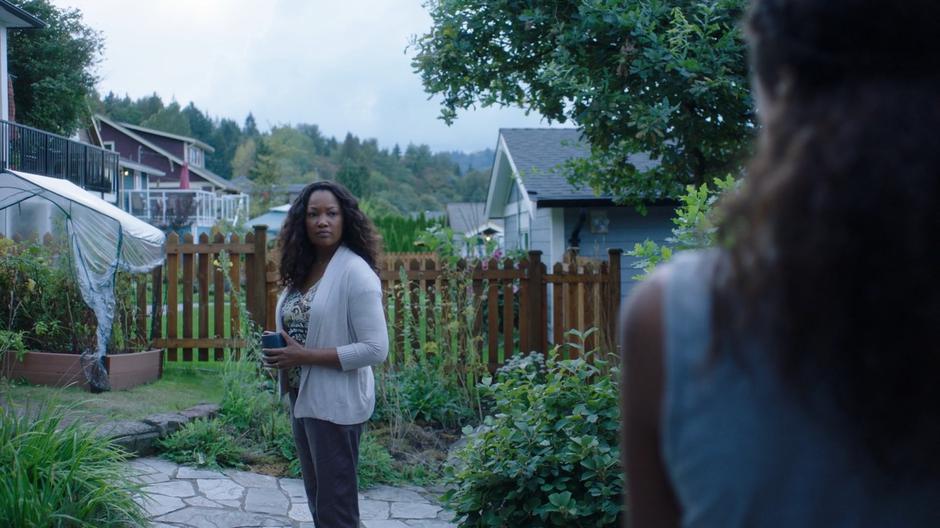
<point>530,192</point>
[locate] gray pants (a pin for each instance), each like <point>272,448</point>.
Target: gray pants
<point>329,454</point>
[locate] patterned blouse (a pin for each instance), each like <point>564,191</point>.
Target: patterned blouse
<point>296,310</point>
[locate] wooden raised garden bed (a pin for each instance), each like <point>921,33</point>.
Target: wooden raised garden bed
<point>58,370</point>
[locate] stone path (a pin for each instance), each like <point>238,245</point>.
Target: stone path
<point>185,497</point>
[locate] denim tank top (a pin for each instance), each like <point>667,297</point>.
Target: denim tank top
<point>742,451</point>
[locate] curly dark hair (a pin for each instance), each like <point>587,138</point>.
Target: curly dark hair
<point>297,253</point>
<point>833,238</point>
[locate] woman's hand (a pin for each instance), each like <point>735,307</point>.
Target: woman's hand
<point>292,355</point>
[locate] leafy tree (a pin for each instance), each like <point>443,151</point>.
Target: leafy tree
<point>393,182</point>
<point>53,67</point>
<point>244,158</point>
<point>170,119</point>
<point>264,170</point>
<point>666,77</point>
<point>472,186</point>
<point>294,154</point>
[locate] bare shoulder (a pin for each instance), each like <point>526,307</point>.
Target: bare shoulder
<point>652,501</point>
<point>641,324</point>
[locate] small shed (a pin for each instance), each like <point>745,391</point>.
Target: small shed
<point>273,218</point>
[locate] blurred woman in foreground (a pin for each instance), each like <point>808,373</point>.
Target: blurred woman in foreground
<point>790,378</point>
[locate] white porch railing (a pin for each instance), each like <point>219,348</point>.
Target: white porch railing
<point>177,208</point>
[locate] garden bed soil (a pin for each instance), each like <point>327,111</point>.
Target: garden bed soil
<point>59,370</point>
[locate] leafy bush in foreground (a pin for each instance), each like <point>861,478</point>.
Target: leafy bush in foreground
<point>549,454</point>
<point>62,476</point>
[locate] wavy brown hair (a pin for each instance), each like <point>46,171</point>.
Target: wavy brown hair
<point>833,241</point>
<point>297,253</point>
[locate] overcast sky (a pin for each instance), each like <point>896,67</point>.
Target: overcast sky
<point>340,64</point>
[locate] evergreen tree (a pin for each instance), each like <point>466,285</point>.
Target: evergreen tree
<point>226,136</point>
<point>251,128</point>
<point>200,125</point>
<point>354,176</point>
<point>169,119</point>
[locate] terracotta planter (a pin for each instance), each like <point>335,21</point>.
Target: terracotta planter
<point>58,370</point>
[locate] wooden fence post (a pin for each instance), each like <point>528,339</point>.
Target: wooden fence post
<point>613,290</point>
<point>536,330</point>
<point>257,305</point>
<point>156,310</point>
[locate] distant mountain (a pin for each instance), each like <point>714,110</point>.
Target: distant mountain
<point>479,160</point>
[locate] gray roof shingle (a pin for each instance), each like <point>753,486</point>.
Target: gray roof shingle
<point>540,153</point>
<point>464,216</point>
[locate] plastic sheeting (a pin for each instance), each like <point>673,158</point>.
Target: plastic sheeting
<point>103,240</point>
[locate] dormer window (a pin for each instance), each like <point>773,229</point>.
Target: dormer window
<point>195,156</point>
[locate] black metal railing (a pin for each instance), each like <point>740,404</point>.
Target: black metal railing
<point>32,150</point>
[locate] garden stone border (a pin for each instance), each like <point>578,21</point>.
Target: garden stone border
<point>139,437</point>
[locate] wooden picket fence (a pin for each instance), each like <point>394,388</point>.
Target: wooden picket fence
<point>189,308</point>
<point>512,302</point>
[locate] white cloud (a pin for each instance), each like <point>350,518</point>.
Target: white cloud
<point>340,65</point>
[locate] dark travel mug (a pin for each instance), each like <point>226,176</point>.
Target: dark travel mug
<point>271,340</point>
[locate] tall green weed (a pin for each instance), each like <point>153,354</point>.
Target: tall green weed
<point>695,225</point>
<point>62,475</point>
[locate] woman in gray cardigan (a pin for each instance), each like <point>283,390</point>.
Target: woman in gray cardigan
<point>330,314</point>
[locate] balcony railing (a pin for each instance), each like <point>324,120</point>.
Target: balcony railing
<point>36,151</point>
<point>168,208</point>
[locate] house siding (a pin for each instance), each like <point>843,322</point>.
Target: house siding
<point>127,147</point>
<point>541,233</point>
<point>511,237</point>
<point>173,146</point>
<point>627,228</point>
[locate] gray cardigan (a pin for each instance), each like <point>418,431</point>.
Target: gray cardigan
<point>346,313</point>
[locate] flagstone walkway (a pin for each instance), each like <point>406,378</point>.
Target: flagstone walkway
<point>185,497</point>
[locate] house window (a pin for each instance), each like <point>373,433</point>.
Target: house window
<point>599,222</point>
<point>195,156</point>
<point>108,145</point>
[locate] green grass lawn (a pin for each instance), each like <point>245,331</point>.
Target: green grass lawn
<point>182,386</point>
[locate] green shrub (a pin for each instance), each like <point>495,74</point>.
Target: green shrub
<point>203,443</point>
<point>400,233</point>
<point>41,299</point>
<point>62,475</point>
<point>375,464</point>
<point>424,391</point>
<point>549,453</point>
